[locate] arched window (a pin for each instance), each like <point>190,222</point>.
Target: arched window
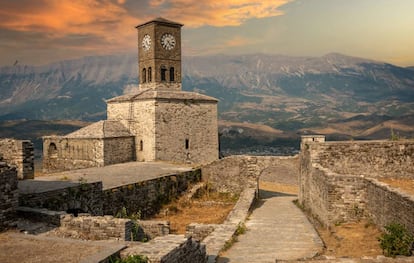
<point>172,76</point>
<point>149,74</point>
<point>52,151</point>
<point>144,75</point>
<point>163,72</point>
<point>141,145</point>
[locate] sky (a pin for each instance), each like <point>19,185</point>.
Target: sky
<point>37,32</point>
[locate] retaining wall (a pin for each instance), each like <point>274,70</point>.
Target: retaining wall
<point>147,197</point>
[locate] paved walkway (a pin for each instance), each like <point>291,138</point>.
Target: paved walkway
<point>276,229</point>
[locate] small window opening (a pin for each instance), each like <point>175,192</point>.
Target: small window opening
<point>149,74</point>
<point>141,145</point>
<point>52,151</point>
<point>163,73</point>
<point>172,74</point>
<point>144,75</point>
<point>187,144</point>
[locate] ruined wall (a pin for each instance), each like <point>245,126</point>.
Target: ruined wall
<point>96,227</point>
<point>19,153</point>
<point>235,173</point>
<point>147,197</point>
<point>370,158</point>
<point>171,249</point>
<point>8,195</point>
<point>63,154</point>
<point>86,197</point>
<point>194,128</point>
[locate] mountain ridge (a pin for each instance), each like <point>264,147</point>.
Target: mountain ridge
<point>283,92</point>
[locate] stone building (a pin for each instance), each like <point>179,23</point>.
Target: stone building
<point>158,123</point>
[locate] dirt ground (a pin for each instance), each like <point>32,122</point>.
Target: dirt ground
<point>18,247</point>
<point>356,239</point>
<point>210,208</point>
<point>406,185</point>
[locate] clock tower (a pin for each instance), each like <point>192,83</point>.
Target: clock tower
<point>159,59</point>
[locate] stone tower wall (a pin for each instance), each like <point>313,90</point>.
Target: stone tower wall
<point>178,121</point>
<point>19,153</point>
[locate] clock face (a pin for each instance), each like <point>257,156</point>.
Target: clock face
<point>146,42</point>
<point>168,41</point>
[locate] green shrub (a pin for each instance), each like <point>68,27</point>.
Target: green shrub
<point>396,241</point>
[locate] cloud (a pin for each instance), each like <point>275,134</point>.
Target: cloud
<point>195,13</point>
<point>108,25</point>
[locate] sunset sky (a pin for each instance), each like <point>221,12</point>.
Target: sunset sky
<point>42,31</point>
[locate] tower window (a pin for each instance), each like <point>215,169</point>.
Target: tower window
<point>187,144</point>
<point>141,145</point>
<point>144,75</point>
<point>163,72</point>
<point>149,74</point>
<point>172,74</point>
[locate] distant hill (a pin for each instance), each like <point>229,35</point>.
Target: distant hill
<point>293,95</point>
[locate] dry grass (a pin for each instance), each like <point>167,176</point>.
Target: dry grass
<point>405,185</point>
<point>351,240</point>
<point>210,208</point>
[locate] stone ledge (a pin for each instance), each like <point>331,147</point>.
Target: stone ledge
<point>224,232</point>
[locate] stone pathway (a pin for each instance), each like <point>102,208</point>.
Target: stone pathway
<point>276,229</point>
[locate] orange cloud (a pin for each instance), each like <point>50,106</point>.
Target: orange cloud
<point>195,13</point>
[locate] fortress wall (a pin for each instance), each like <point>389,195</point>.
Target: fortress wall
<point>147,197</point>
<point>119,150</point>
<point>86,197</point>
<point>19,153</point>
<point>186,131</point>
<point>8,195</point>
<point>333,194</point>
<point>63,154</point>
<point>235,173</point>
<point>386,205</point>
<point>370,158</point>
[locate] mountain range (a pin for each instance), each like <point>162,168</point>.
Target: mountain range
<point>334,94</point>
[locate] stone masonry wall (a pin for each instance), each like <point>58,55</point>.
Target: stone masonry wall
<point>19,153</point>
<point>334,195</point>
<point>386,205</point>
<point>194,124</point>
<point>119,150</point>
<point>169,249</point>
<point>97,227</point>
<point>370,158</point>
<point>147,197</point>
<point>235,173</point>
<point>8,195</point>
<point>85,197</point>
<point>63,154</point>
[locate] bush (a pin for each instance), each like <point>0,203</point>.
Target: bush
<point>396,241</point>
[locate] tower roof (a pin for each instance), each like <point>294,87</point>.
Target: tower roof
<point>160,20</point>
<point>164,94</point>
